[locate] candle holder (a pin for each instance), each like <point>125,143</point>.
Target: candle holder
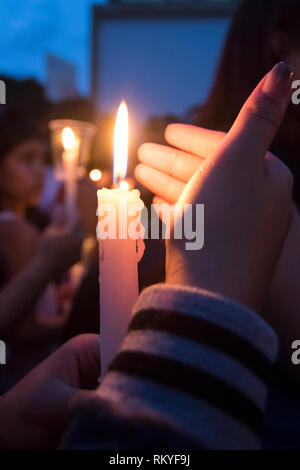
<point>83,132</point>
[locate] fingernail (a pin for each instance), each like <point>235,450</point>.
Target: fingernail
<point>279,80</point>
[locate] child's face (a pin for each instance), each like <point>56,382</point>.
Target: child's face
<point>22,173</point>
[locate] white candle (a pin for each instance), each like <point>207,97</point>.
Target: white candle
<point>119,256</point>
<point>70,160</point>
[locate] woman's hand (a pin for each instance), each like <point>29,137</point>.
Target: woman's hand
<point>247,197</point>
<point>35,412</point>
<point>60,247</point>
<point>57,250</point>
<point>166,170</point>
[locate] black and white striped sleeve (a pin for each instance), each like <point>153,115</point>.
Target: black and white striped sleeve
<point>197,361</point>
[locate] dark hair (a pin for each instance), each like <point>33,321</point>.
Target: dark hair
<point>262,34</point>
<point>249,53</point>
<point>79,108</point>
<point>16,129</point>
<point>25,96</point>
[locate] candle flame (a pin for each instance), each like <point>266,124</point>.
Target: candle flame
<point>68,138</point>
<point>121,143</point>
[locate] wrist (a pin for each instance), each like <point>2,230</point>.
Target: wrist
<point>180,273</point>
<point>43,267</point>
<point>186,271</point>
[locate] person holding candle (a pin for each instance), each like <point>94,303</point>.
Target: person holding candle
<point>194,366</point>
<point>190,146</point>
<point>31,257</point>
<point>258,37</point>
<point>242,63</point>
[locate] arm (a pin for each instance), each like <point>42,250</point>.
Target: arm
<point>166,170</point>
<point>192,373</point>
<point>58,249</point>
<point>193,362</point>
<point>34,413</point>
<point>26,275</point>
<point>18,297</point>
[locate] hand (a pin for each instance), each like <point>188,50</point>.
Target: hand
<point>244,192</point>
<point>35,412</point>
<point>60,247</point>
<point>166,170</point>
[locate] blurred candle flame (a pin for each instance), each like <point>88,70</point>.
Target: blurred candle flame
<point>95,175</point>
<point>68,138</point>
<point>121,144</point>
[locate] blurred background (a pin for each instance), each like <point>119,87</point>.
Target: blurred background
<point>63,60</point>
<point>160,57</point>
<point>173,61</point>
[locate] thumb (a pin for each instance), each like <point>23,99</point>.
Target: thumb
<point>261,115</point>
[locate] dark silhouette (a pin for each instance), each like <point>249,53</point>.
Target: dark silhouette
<point>263,32</point>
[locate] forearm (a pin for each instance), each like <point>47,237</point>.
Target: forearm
<point>194,362</point>
<point>19,295</point>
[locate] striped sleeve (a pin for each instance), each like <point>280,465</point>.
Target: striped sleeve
<point>197,361</point>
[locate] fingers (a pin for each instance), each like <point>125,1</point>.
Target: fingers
<point>86,350</point>
<point>164,169</point>
<point>159,183</point>
<point>180,165</point>
<point>158,201</point>
<point>196,140</point>
<point>260,117</point>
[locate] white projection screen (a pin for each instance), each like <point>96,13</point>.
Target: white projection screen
<point>160,58</point>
